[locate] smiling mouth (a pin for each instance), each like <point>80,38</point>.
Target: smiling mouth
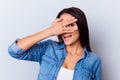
<point>67,36</point>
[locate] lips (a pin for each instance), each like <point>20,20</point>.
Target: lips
<point>67,36</point>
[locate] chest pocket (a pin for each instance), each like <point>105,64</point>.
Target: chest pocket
<point>47,65</point>
<point>87,75</point>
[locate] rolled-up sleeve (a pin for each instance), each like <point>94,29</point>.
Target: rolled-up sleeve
<point>33,54</point>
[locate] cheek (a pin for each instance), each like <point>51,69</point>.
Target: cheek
<point>76,28</point>
<point>76,35</point>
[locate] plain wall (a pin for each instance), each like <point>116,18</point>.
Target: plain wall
<point>19,18</point>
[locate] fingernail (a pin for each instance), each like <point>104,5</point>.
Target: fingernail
<point>73,17</point>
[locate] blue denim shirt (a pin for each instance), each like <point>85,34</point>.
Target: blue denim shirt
<point>51,56</point>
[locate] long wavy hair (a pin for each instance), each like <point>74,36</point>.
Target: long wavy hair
<point>82,25</point>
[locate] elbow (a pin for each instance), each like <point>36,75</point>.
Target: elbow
<point>15,51</point>
<point>11,52</point>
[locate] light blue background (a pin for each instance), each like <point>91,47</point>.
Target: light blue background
<point>19,18</point>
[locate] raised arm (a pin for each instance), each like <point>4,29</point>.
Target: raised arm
<point>56,28</point>
<point>27,49</point>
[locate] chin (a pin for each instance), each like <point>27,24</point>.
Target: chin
<point>68,43</point>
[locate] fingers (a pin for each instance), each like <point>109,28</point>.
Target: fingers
<point>73,20</point>
<point>67,22</point>
<point>68,30</point>
<point>60,25</point>
<point>58,20</point>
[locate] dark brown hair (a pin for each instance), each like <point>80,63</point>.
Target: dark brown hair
<point>82,25</point>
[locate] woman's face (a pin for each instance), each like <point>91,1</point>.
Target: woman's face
<point>73,37</point>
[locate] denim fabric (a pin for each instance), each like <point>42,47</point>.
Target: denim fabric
<point>51,56</point>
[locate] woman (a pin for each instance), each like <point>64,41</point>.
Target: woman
<point>69,59</point>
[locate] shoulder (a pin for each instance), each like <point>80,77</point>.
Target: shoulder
<point>45,42</point>
<point>92,61</point>
<point>51,43</point>
<point>48,42</point>
<point>93,56</point>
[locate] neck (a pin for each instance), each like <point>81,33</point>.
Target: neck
<point>75,49</point>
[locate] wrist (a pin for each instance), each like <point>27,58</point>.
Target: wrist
<point>50,31</point>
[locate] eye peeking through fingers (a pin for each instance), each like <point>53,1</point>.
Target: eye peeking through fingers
<point>71,25</point>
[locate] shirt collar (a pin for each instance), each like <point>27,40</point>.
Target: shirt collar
<point>85,53</point>
<point>62,45</point>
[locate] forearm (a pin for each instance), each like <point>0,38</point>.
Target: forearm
<point>56,28</point>
<point>29,41</point>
